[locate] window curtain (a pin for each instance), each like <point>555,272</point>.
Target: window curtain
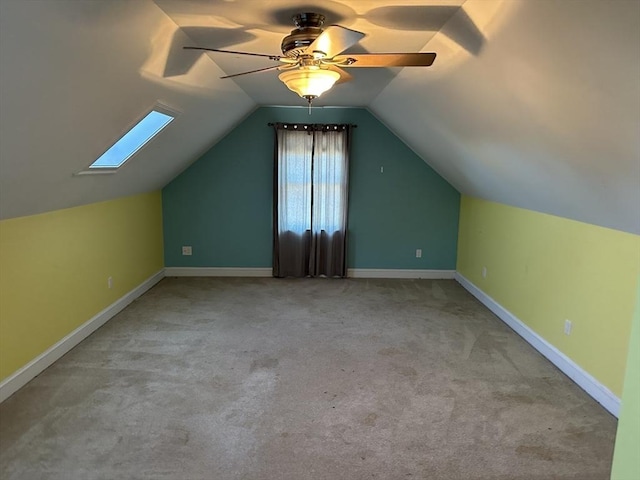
<point>311,175</point>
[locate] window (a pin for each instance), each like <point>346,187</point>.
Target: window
<point>310,200</point>
<point>312,180</point>
<point>132,141</point>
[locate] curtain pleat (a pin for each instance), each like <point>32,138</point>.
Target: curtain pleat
<point>311,173</point>
<point>292,197</point>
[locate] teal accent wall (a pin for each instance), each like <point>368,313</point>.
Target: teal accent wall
<point>221,205</point>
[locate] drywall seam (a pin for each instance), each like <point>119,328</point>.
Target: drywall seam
<point>593,387</point>
<point>217,272</point>
<point>400,273</point>
<point>35,367</point>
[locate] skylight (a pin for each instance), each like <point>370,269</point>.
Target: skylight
<point>132,141</point>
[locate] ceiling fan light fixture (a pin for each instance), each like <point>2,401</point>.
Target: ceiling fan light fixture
<point>313,57</point>
<point>309,83</point>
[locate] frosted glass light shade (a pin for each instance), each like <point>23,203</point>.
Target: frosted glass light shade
<point>309,83</point>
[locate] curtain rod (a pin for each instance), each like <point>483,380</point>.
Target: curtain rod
<point>314,125</point>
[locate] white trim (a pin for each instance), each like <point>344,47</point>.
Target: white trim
<point>593,387</point>
<point>35,367</point>
<point>399,273</point>
<point>217,272</point>
<point>267,272</point>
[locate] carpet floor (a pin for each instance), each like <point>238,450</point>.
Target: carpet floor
<point>252,379</point>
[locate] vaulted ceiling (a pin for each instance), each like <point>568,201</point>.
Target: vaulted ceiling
<point>530,103</point>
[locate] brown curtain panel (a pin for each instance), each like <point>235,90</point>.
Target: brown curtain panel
<point>311,178</point>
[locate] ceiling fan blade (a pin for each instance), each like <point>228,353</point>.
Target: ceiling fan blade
<point>344,75</point>
<point>334,40</point>
<point>385,60</point>
<point>272,57</point>
<point>266,69</point>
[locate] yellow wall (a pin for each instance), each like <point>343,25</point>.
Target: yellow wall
<point>546,269</point>
<point>626,459</point>
<point>54,269</point>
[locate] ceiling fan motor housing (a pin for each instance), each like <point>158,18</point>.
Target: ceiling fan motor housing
<point>308,27</point>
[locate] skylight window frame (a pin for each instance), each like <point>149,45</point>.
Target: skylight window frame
<point>102,170</point>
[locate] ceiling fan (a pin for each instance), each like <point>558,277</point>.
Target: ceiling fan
<point>313,59</point>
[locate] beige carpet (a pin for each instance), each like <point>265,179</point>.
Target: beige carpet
<point>304,379</point>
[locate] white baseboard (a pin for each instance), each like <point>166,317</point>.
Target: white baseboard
<point>593,387</point>
<point>217,272</point>
<point>35,367</point>
<point>397,273</point>
<point>267,272</point>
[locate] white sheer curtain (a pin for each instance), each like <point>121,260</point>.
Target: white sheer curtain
<point>329,186</point>
<point>294,181</point>
<point>310,200</point>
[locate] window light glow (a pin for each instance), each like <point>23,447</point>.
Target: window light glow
<point>133,140</point>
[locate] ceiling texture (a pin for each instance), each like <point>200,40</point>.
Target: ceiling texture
<point>530,103</point>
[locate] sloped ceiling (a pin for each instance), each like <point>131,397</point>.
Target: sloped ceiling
<point>531,103</point>
<point>546,117</point>
<point>257,26</point>
<point>74,77</point>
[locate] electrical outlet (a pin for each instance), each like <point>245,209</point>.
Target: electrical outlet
<point>484,272</point>
<point>567,327</point>
<point>418,253</point>
<point>110,282</point>
<point>186,250</point>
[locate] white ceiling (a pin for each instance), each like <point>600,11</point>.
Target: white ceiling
<point>258,26</point>
<point>547,117</point>
<point>531,103</point>
<point>74,76</point>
